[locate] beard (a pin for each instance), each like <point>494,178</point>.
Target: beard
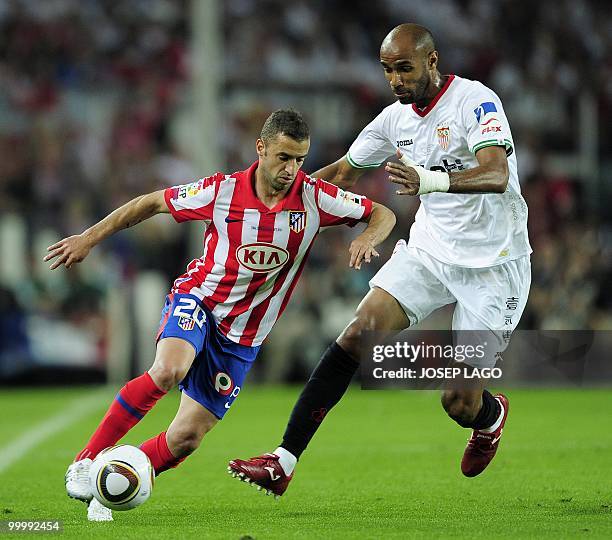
<point>279,184</point>
<point>417,95</point>
<point>406,99</point>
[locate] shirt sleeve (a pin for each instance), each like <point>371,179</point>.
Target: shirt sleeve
<point>337,207</point>
<point>193,201</point>
<point>372,146</point>
<point>485,121</point>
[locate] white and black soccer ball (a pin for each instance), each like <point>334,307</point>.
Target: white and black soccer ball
<point>121,477</point>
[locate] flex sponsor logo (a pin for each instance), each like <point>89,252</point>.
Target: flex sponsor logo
<point>261,256</point>
<point>486,116</point>
<point>492,125</point>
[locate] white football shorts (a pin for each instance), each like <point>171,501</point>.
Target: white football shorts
<point>488,299</point>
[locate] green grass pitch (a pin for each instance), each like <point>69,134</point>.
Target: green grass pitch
<point>384,465</point>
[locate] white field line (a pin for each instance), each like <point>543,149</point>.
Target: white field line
<point>72,413</point>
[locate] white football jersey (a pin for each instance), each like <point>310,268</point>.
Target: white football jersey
<point>469,230</point>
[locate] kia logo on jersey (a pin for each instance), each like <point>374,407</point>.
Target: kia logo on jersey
<point>261,256</point>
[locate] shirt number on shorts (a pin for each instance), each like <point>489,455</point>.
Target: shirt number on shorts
<point>190,309</point>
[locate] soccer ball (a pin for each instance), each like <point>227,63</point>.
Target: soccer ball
<point>121,477</point>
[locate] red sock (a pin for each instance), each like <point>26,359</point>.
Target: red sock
<point>159,453</point>
<point>132,402</point>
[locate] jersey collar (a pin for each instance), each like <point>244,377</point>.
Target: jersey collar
<point>432,104</point>
<point>292,200</point>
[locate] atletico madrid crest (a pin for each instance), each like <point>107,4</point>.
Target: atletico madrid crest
<point>443,136</point>
<point>186,323</point>
<point>297,220</point>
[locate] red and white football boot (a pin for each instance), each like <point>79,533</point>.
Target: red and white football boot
<point>264,472</point>
<point>481,447</point>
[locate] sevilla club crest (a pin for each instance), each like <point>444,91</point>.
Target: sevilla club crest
<point>443,136</point>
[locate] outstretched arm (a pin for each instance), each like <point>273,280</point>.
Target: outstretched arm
<point>380,224</point>
<point>75,248</point>
<point>340,173</point>
<point>491,175</point>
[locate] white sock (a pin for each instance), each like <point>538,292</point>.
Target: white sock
<point>497,422</point>
<point>286,459</point>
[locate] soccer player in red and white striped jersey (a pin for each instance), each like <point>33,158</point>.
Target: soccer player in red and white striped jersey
<point>254,254</point>
<point>261,224</point>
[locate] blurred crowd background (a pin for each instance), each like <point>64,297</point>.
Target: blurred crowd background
<point>96,101</point>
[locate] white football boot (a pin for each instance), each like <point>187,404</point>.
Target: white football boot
<point>77,480</point>
<point>96,511</point>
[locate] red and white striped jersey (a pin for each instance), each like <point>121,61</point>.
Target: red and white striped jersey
<point>254,255</point>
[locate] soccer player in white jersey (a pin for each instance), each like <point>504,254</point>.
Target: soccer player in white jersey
<point>468,245</point>
<point>261,225</point>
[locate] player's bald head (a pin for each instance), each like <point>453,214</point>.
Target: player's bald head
<point>409,58</point>
<point>408,38</point>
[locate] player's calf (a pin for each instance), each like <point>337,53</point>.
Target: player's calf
<point>184,444</point>
<point>169,449</point>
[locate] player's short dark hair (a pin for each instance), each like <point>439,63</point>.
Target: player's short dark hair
<point>288,122</point>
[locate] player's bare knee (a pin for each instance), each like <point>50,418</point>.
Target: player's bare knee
<point>447,399</point>
<point>350,339</point>
<point>167,375</point>
<point>172,362</point>
<point>184,442</point>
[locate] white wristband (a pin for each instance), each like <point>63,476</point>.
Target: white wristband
<point>429,181</point>
<point>432,181</point>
